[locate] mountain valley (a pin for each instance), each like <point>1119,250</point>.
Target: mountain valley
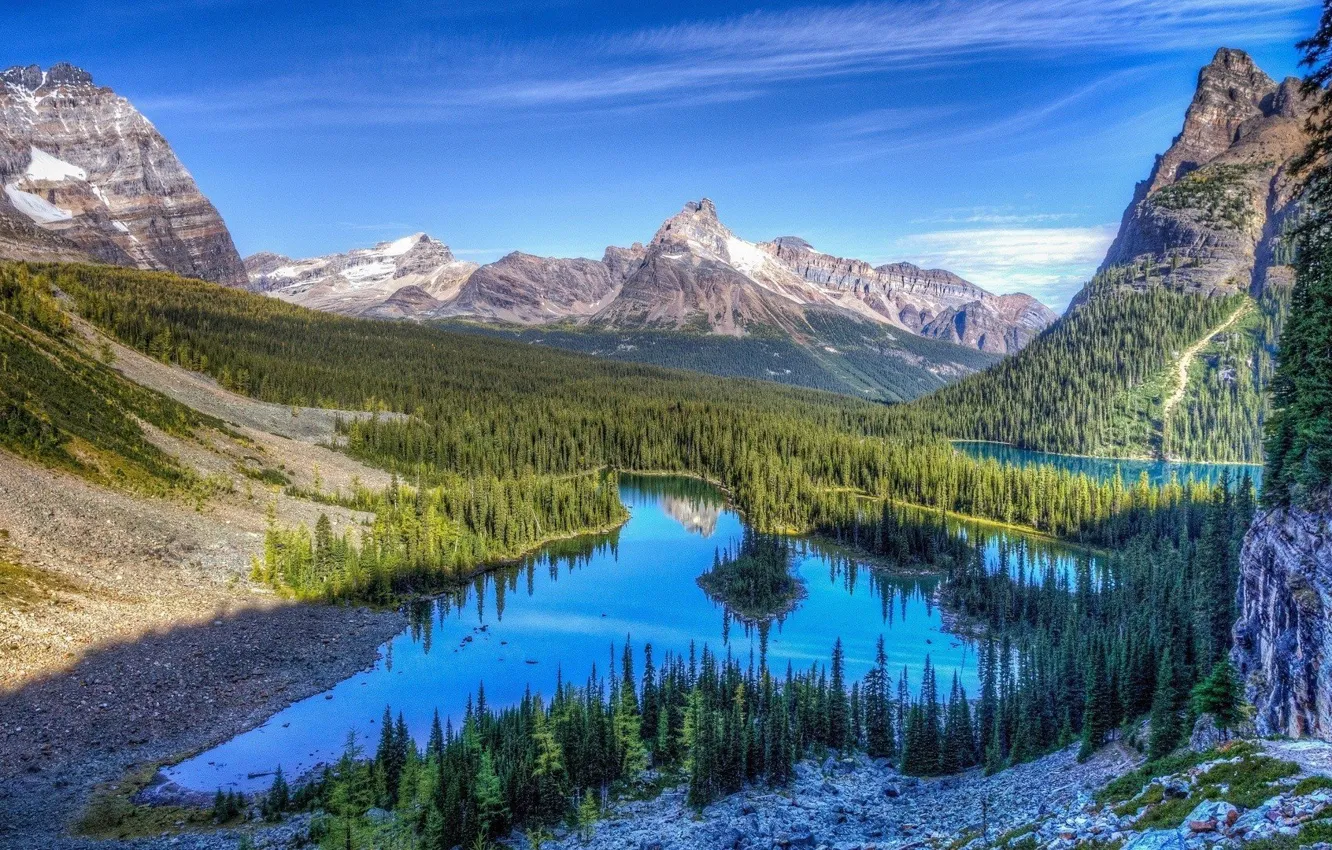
<point>674,549</point>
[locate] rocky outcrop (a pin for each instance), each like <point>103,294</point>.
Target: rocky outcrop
<point>86,176</point>
<point>1283,640</point>
<point>404,278</point>
<point>1211,215</point>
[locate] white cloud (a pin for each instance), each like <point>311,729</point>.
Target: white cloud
<point>1050,263</point>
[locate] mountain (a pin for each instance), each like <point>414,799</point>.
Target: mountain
<point>404,277</point>
<point>1168,350</point>
<point>933,303</point>
<point>86,176</point>
<point>695,274</point>
<point>1211,216</point>
<point>696,296</point>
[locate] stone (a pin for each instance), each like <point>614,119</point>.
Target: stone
<point>1206,734</point>
<point>1210,816</point>
<point>891,790</point>
<point>125,198</point>
<point>1156,839</point>
<point>1283,644</point>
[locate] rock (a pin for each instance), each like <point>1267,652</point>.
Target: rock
<point>1206,734</point>
<point>1283,645</point>
<point>1240,132</point>
<point>1156,839</point>
<point>891,790</point>
<point>1175,788</point>
<point>1209,816</point>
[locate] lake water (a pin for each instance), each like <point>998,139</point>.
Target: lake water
<point>571,608</point>
<point>1102,469</point>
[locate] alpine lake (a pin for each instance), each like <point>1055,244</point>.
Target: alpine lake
<point>567,610</point>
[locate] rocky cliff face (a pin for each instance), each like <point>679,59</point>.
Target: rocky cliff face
<point>1210,216</point>
<point>86,176</point>
<point>1283,642</point>
<point>525,289</point>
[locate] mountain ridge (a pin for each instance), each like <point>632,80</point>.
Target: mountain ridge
<point>696,274</point>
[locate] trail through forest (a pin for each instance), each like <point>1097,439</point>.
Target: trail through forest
<point>1182,367</point>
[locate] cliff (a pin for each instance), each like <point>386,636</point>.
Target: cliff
<point>1283,643</point>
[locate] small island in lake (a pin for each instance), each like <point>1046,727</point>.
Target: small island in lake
<point>755,582</point>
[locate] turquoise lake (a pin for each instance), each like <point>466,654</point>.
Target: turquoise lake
<point>1103,468</point>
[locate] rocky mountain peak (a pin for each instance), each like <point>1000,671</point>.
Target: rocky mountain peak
<point>697,227</point>
<point>86,176</point>
<point>793,242</point>
<point>1231,90</point>
<point>31,77</point>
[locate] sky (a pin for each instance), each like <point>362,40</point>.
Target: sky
<point>1000,139</point>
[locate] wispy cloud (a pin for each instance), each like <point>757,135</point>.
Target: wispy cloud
<point>1047,262</point>
<point>1005,215</point>
<point>710,61</point>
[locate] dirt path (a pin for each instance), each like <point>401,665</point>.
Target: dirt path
<point>1182,367</point>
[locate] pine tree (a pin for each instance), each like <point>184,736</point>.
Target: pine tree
<point>1165,710</point>
<point>839,720</point>
<point>1220,695</point>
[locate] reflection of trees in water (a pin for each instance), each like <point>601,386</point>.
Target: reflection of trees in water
<point>561,555</point>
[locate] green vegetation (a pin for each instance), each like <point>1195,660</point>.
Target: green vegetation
<point>480,407</point>
<point>869,362</point>
<point>64,407</point>
<point>1069,390</point>
<point>1299,445</point>
<point>1245,779</point>
<point>1224,411</point>
<point>427,538</point>
<point>755,582</point>
<point>1218,195</point>
<point>1070,658</point>
<point>538,763</point>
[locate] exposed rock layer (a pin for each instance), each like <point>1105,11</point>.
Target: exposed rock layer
<point>86,176</point>
<point>1283,645</point>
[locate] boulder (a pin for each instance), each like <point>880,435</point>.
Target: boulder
<point>1207,735</point>
<point>1211,816</point>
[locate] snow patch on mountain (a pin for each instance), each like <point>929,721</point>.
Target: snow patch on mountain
<point>44,166</point>
<point>36,207</point>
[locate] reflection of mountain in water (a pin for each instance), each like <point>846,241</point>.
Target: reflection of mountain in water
<point>696,515</point>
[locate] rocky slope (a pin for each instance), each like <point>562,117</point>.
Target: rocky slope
<point>86,176</point>
<point>1283,645</point>
<point>1210,216</point>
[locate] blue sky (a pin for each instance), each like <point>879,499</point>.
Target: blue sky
<point>998,138</point>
